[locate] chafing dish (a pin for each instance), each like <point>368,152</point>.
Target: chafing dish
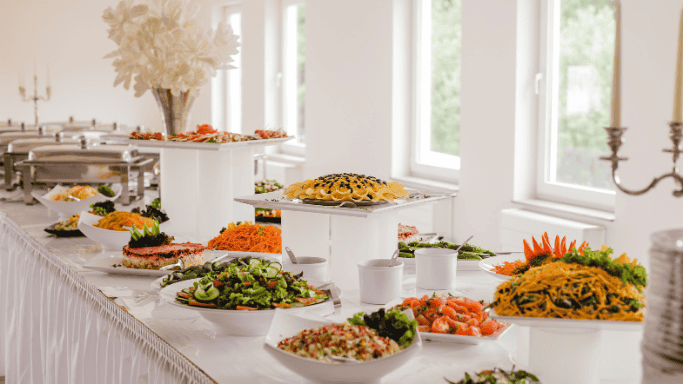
<point>18,150</point>
<point>24,133</point>
<point>84,163</point>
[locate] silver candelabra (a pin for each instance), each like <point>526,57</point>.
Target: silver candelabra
<point>614,141</point>
<point>35,98</point>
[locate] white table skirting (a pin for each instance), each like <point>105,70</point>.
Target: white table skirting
<point>58,328</point>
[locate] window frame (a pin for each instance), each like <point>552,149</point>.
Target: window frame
<point>221,110</point>
<point>423,162</point>
<point>548,129</point>
<point>285,77</point>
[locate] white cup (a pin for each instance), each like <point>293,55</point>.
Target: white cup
<point>380,283</point>
<point>435,268</point>
<point>314,268</point>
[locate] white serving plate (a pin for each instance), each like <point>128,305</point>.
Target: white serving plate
<point>487,265</point>
<point>67,209</point>
<point>109,239</point>
<point>461,339</point>
<point>106,263</point>
<point>570,325</point>
<point>207,146</point>
<point>286,325</point>
<point>236,322</point>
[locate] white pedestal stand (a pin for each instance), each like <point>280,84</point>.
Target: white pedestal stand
<point>200,180</point>
<point>565,356</point>
<point>344,236</point>
<point>197,188</point>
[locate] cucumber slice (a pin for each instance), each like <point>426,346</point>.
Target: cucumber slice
<point>255,261</point>
<point>273,270</point>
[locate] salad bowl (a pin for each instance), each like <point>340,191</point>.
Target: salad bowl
<point>109,239</point>
<point>287,324</point>
<point>237,322</point>
<point>67,209</point>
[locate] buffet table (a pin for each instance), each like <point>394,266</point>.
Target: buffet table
<point>64,323</point>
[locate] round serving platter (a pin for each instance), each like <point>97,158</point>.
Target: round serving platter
<point>332,202</point>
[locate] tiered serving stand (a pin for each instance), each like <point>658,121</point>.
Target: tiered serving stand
<point>200,180</point>
<point>343,235</point>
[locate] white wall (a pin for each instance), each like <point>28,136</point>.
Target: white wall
<point>71,36</point>
<point>348,87</point>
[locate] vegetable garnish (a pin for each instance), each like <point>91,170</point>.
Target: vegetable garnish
<point>153,211</point>
<point>498,376</point>
<point>103,208</point>
<point>148,238</point>
<point>467,252</point>
<point>259,284</point>
<point>626,270</point>
<point>106,191</point>
<point>393,324</point>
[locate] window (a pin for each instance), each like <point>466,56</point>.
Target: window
<point>577,51</point>
<point>436,51</point>
<point>227,85</point>
<point>293,61</point>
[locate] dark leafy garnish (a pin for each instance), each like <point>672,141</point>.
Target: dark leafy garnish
<point>106,191</point>
<point>497,375</point>
<point>148,238</point>
<point>393,324</point>
<point>103,208</point>
<point>153,211</point>
<point>627,273</point>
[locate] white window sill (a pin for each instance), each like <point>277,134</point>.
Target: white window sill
<point>427,184</point>
<point>551,207</point>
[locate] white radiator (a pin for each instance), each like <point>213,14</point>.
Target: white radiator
<point>517,225</point>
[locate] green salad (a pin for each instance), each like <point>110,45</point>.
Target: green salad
<point>393,324</point>
<point>498,376</point>
<point>260,284</point>
<point>467,252</point>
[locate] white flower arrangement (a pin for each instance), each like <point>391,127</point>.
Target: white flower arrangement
<point>161,44</point>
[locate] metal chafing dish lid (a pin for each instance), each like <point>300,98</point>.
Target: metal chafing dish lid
<point>26,145</point>
<point>90,154</point>
<point>8,137</point>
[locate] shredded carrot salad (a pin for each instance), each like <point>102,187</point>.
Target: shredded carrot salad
<point>507,268</point>
<point>248,237</point>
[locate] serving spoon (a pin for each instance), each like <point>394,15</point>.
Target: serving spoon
<point>291,255</point>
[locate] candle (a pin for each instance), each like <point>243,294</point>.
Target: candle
<point>678,93</point>
<point>615,105</point>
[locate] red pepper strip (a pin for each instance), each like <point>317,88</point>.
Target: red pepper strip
<point>306,301</point>
<point>272,284</point>
<point>198,304</point>
<point>184,295</point>
<point>546,244</point>
<point>537,248</point>
<point>217,283</point>
<point>246,283</point>
<point>283,305</point>
<point>528,253</point>
<point>245,308</point>
<point>558,250</point>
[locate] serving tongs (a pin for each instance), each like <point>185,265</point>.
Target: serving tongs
<point>180,265</point>
<point>331,290</point>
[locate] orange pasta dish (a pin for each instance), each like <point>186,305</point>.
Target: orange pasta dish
<point>248,237</point>
<point>117,220</point>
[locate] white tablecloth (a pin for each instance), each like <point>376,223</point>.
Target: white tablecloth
<point>62,328</point>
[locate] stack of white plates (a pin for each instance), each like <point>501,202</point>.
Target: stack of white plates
<point>662,345</point>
